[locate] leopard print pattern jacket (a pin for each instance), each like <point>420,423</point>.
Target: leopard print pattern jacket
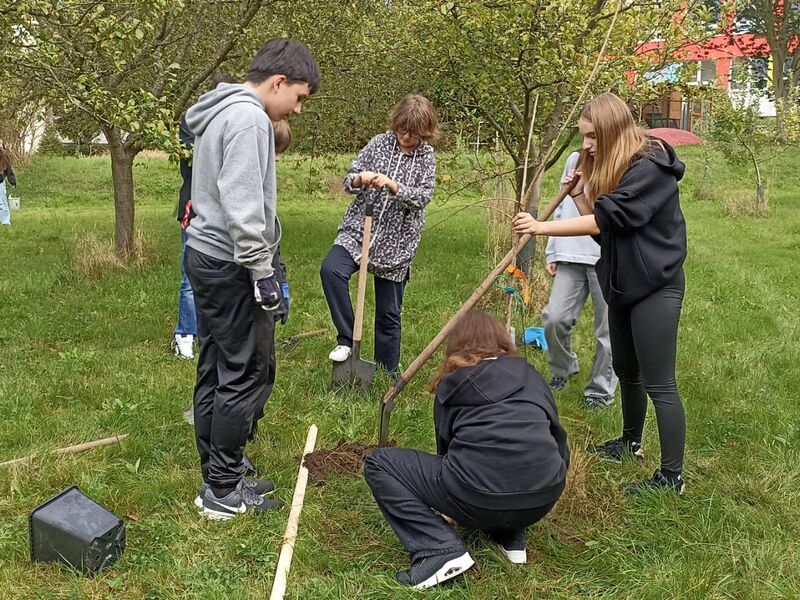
<point>398,219</point>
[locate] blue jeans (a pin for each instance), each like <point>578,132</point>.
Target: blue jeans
<point>187,317</point>
<point>337,269</point>
<point>5,213</point>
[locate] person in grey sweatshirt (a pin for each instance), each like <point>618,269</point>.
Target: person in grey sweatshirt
<point>229,260</point>
<point>571,260</point>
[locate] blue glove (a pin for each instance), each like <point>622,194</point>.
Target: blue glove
<point>282,312</point>
<point>267,292</point>
<point>534,336</point>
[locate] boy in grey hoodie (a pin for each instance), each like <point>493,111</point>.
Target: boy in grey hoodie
<point>571,261</point>
<point>229,260</point>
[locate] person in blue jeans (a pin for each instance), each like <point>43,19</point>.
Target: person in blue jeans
<point>186,328</point>
<point>6,174</point>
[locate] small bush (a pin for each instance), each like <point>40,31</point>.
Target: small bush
<point>51,145</point>
<point>743,203</point>
<point>94,257</point>
<point>705,191</point>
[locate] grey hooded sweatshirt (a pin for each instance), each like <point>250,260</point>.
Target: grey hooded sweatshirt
<point>580,249</point>
<point>233,179</point>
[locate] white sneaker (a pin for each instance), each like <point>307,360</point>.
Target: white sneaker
<point>184,346</point>
<point>340,353</point>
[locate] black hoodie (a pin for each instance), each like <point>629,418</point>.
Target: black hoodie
<point>642,230</point>
<point>497,428</point>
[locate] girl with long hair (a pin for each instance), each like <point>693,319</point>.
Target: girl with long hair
<point>501,460</point>
<point>627,193</point>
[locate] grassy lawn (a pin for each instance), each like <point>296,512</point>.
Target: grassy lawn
<point>85,355</point>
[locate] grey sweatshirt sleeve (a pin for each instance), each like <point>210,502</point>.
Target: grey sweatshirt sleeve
<point>550,252</point>
<point>362,162</point>
<point>241,195</point>
<point>418,196</point>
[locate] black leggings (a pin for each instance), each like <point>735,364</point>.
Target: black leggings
<point>643,344</point>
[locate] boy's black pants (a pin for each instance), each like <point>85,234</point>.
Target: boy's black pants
<point>233,370</point>
<point>337,269</point>
<point>407,487</point>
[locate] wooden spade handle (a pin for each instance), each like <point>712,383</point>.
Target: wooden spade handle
<point>362,274</point>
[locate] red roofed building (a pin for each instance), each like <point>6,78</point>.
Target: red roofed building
<point>717,59</point>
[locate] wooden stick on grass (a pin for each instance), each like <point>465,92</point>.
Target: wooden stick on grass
<point>71,449</point>
<point>287,550</point>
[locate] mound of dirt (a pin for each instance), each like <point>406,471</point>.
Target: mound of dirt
<point>345,458</point>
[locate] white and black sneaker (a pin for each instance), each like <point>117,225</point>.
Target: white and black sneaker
<point>183,346</point>
<point>511,544</point>
<point>427,572</point>
<point>260,487</point>
<point>239,501</point>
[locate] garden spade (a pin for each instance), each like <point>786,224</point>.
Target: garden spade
<point>355,370</point>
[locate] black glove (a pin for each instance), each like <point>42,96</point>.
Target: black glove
<point>267,292</point>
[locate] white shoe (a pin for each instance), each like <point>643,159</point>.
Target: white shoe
<point>340,353</point>
<point>184,346</point>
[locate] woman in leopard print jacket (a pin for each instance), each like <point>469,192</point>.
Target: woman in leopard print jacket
<point>396,173</point>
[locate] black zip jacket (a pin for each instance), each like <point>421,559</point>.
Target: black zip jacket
<point>497,428</point>
<point>642,230</point>
<point>187,139</point>
<point>9,174</point>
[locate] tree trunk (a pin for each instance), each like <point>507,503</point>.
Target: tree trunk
<point>780,91</point>
<point>122,173</point>
<point>528,253</point>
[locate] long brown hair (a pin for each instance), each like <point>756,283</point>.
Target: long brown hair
<point>5,158</point>
<point>475,336</point>
<point>619,139</point>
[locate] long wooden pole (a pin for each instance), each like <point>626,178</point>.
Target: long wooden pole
<point>513,264</point>
<point>71,449</point>
<point>390,398</point>
<point>287,550</point>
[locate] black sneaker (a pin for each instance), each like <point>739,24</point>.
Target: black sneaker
<point>657,483</point>
<point>617,450</point>
<point>427,572</point>
<point>239,501</point>
<point>260,487</point>
<point>558,383</point>
<point>511,544</point>
<point>597,402</point>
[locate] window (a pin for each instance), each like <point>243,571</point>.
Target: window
<point>707,74</point>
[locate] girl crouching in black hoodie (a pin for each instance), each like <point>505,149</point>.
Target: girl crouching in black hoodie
<point>501,460</point>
